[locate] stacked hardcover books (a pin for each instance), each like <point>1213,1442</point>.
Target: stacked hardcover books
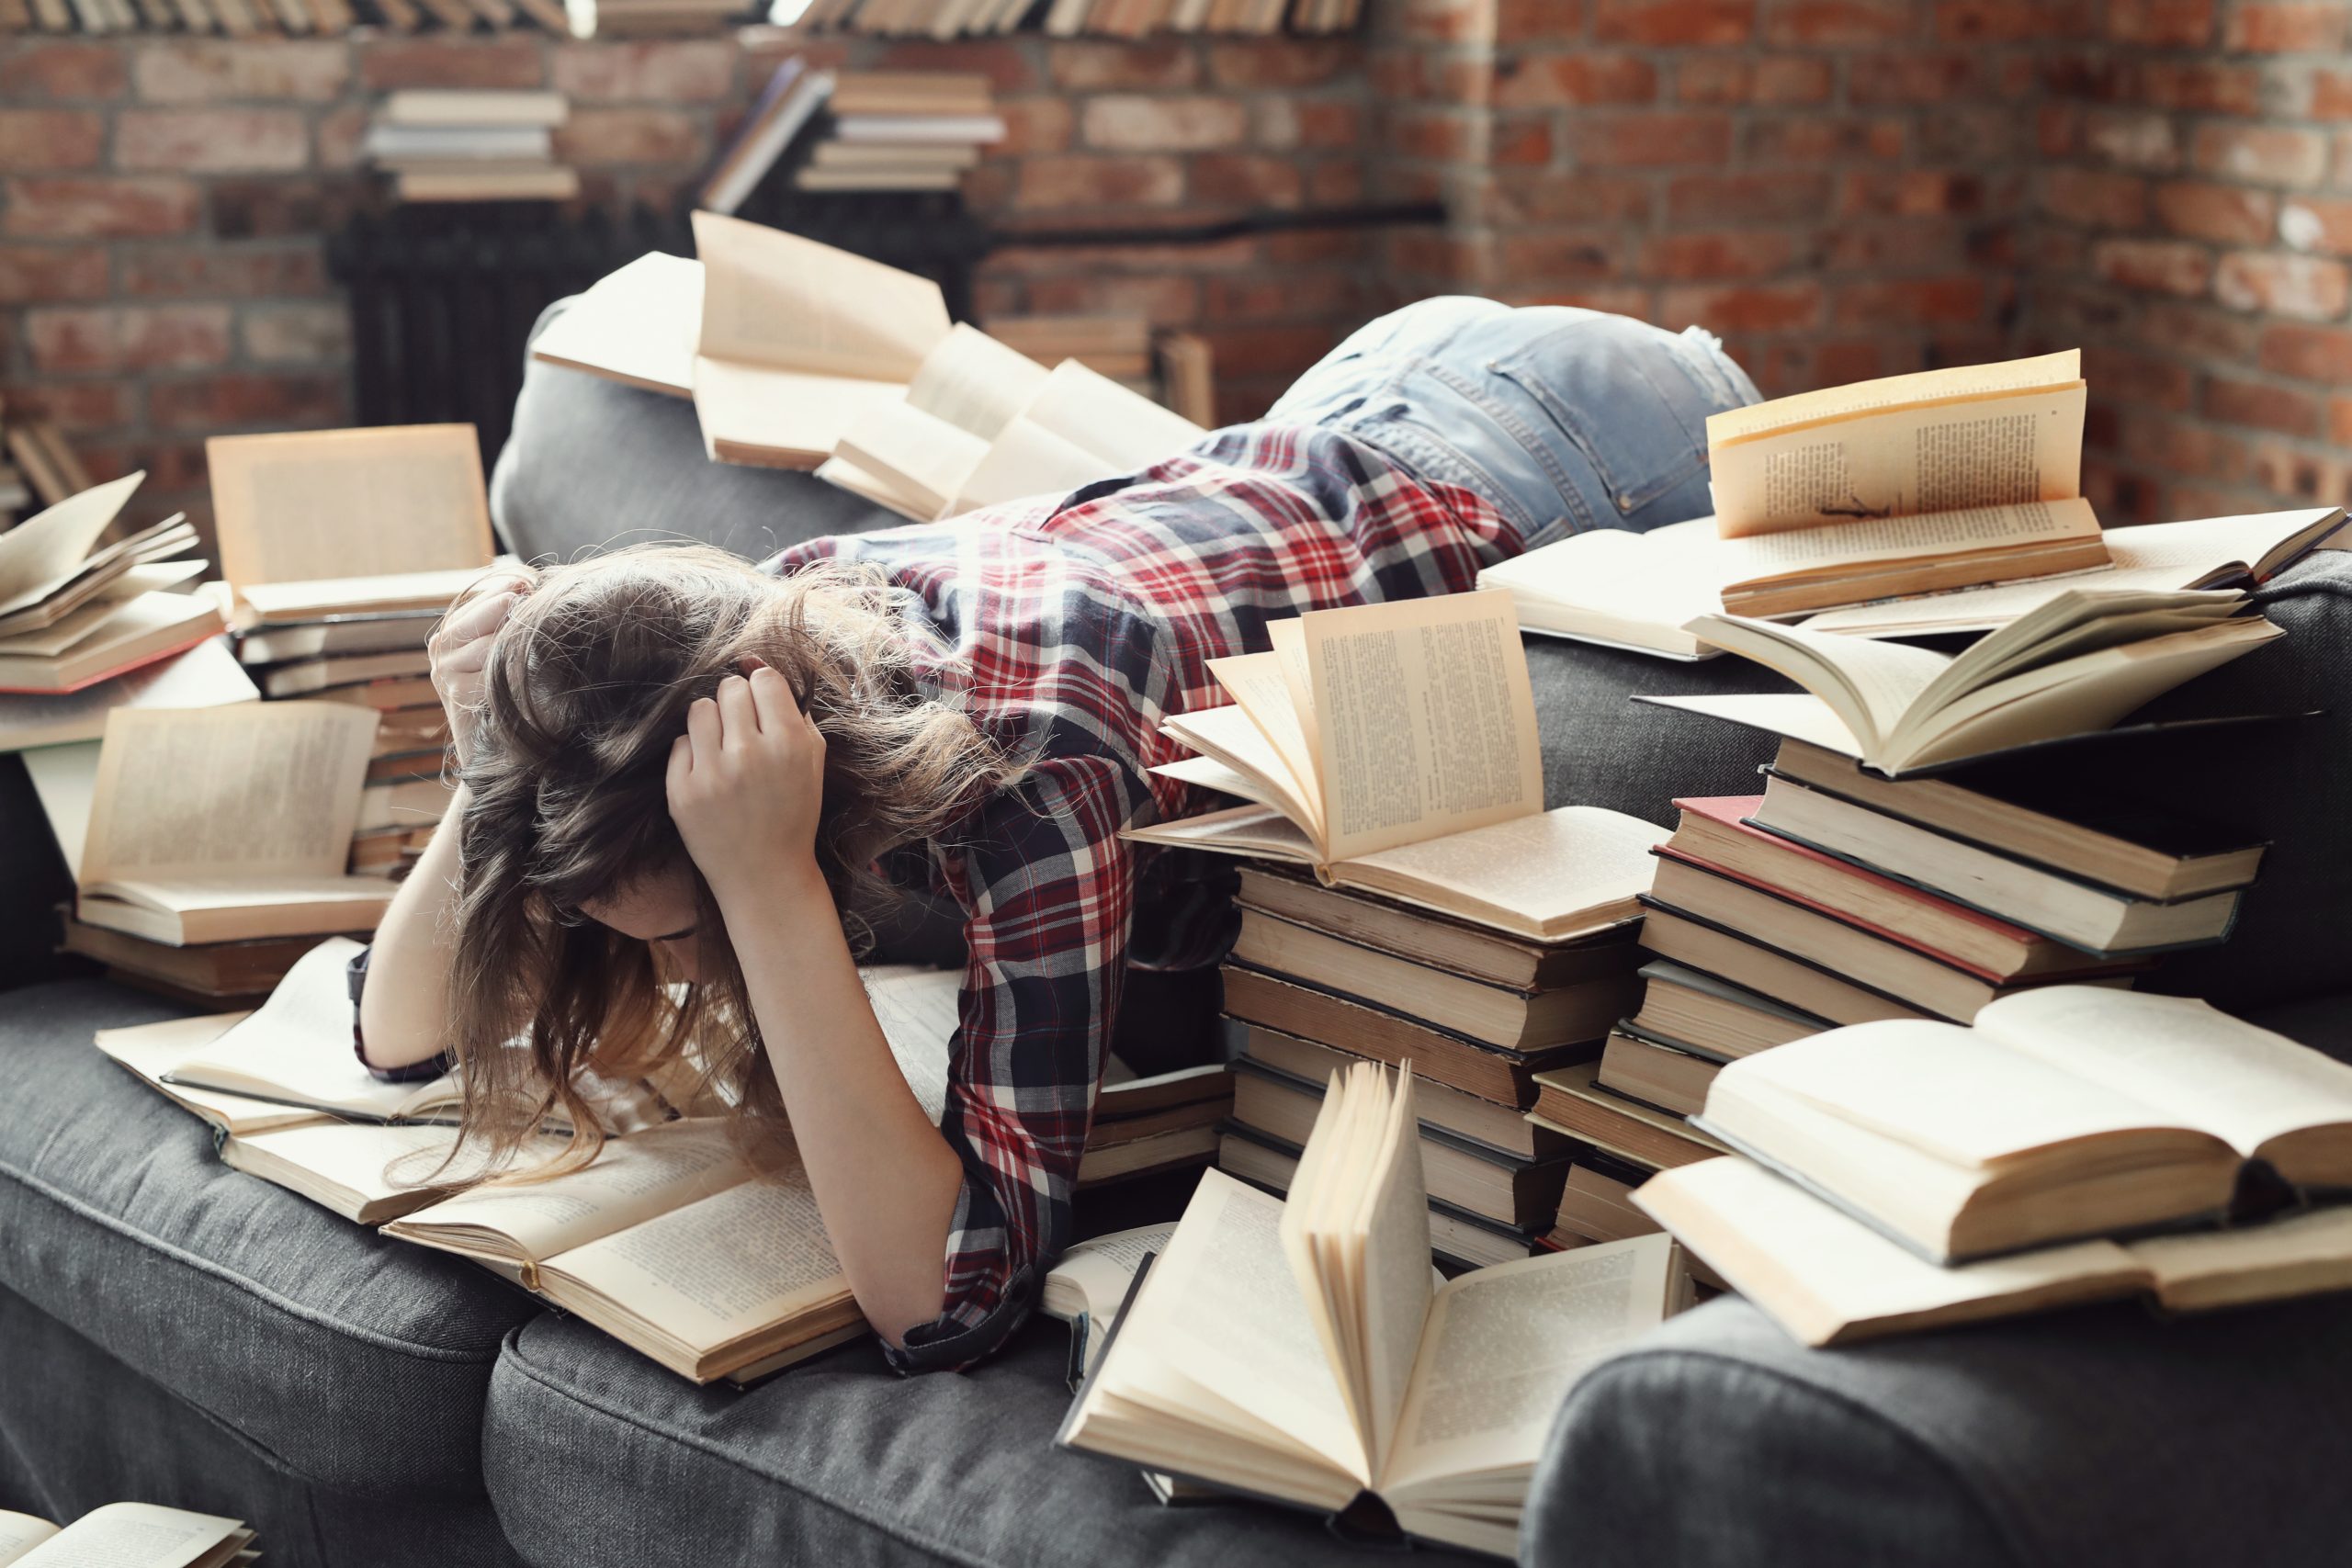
<point>901,130</point>
<point>463,145</point>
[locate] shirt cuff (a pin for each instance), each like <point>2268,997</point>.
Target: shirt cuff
<point>355,979</point>
<point>947,1345</point>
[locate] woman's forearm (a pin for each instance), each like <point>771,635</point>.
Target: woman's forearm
<point>884,1178</point>
<point>403,1011</point>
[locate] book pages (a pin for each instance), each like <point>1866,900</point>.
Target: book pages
<point>295,1047</point>
<point>340,504</point>
<point>134,1535</point>
<point>1259,686</point>
<point>1228,736</point>
<point>2293,1256</point>
<point>66,780</point>
<point>40,553</point>
<point>1426,720</point>
<point>1027,459</point>
<point>1501,1349</point>
<point>774,299</point>
<point>1628,588</point>
<point>317,597</point>
<point>1240,830</point>
<point>1287,641</point>
<point>880,489</point>
<point>375,1163</point>
<point>637,325</point>
<point>919,1011</point>
<point>974,383</point>
<point>755,414</point>
<point>154,1050</point>
<point>1552,870</point>
<point>1124,429</point>
<point>1393,1216</point>
<point>1998,449</point>
<point>1889,392</point>
<point>1753,561</point>
<point>1869,685</point>
<point>19,1533</point>
<point>249,790</point>
<point>916,452</point>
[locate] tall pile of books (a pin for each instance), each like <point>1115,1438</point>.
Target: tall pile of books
<point>471,145</point>
<point>901,130</point>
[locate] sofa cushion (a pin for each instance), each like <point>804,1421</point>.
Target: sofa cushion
<point>358,1363</point>
<point>595,1455</point>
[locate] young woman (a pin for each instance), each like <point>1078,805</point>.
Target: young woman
<point>677,766</point>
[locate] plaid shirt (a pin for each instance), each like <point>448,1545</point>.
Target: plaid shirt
<point>1077,626</point>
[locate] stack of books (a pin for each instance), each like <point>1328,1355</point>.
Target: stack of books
<point>1142,1126</point>
<point>901,130</point>
<point>471,145</point>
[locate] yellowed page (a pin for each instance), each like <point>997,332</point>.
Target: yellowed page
<point>1604,583</point>
<point>2297,1255</point>
<point>66,780</point>
<point>786,418</point>
<point>1869,685</point>
<point>1328,1175</point>
<point>1229,735</point>
<point>1393,1219</point>
<point>372,1161</point>
<point>1257,683</point>
<point>1124,429</point>
<point>918,453</point>
<point>253,788</point>
<point>1889,392</point>
<point>2245,1084</point>
<point>152,1050</point>
<point>297,1045</point>
<point>1845,547</point>
<point>1027,459</point>
<point>207,675</point>
<point>40,553</point>
<point>1240,830</point>
<point>919,1011</point>
<point>974,382</point>
<point>1093,1277</point>
<point>1426,720</point>
<point>19,1533</point>
<point>1827,1277</point>
<point>1548,867</point>
<point>879,489</point>
<point>336,503</point>
<point>1207,773</point>
<point>776,300</point>
<point>131,1535</point>
<point>638,324</point>
<point>1501,1348</point>
<point>2006,448</point>
<point>327,595</point>
<point>1287,641</point>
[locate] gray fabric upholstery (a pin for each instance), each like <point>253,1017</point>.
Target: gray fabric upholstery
<point>596,1456</point>
<point>357,1364</point>
<point>79,1429</point>
<point>592,463</point>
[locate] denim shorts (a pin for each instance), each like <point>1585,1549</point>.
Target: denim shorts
<point>1564,419</point>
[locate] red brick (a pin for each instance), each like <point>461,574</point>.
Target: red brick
<point>2180,446</point>
<point>1836,24</point>
<point>2292,28</point>
<point>2314,223</point>
<point>2197,330</point>
<point>215,271</point>
<point>1508,198</point>
<point>2010,21</point>
<point>2095,197</point>
<point>2264,154</point>
<point>78,406</point>
<point>2291,472</point>
<point>194,70</point>
<point>2168,266</point>
<point>29,69</point>
<point>1778,79</point>
<point>1441,135</point>
<point>1876,248</point>
<point>1911,302</point>
<point>40,274</point>
<point>1446,21</point>
<point>512,60</point>
<point>215,141</point>
<point>1335,182</point>
<point>302,333</point>
<point>1823,138</point>
<point>1523,143</point>
<point>51,139</point>
<point>279,208</point>
<point>99,208</point>
<point>1054,182</point>
<point>1166,298</point>
<point>1536,21</point>
<point>2339,421</point>
<point>1617,300</point>
<point>2226,214</point>
<point>629,136</point>
<point>1120,122</point>
<point>2138,378</point>
<point>1035,125</point>
<point>1284,122</point>
<point>74,340</point>
<point>1652,140</point>
<point>1910,77</point>
<point>1557,258</point>
<point>2163,24</point>
<point>300,398</point>
<point>1246,179</point>
<point>1092,67</point>
<point>2331,96</point>
<point>1695,257</point>
<point>1912,193</point>
<point>1743,308</point>
<point>652,71</point>
<point>1535,81</point>
<point>1780,197</point>
<point>2202,86</point>
<point>2281,408</point>
<point>2135,139</point>
<point>1008,70</point>
<point>1281,63</point>
<point>2311,289</point>
<point>339,136</point>
<point>2308,352</point>
<point>1674,24</point>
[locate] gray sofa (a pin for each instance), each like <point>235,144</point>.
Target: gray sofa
<point>175,1331</point>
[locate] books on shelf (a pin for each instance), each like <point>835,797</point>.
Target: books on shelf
<point>133,1535</point>
<point>902,131</point>
<point>787,104</point>
<point>1318,1361</point>
<point>470,145</point>
<point>1360,769</point>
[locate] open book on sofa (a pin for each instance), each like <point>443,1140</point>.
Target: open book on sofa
<point>126,1535</point>
<point>1297,1352</point>
<point>1393,749</point>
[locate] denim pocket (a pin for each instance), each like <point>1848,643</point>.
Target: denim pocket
<point>1617,389</point>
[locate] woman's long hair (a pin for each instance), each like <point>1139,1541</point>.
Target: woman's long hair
<point>587,686</point>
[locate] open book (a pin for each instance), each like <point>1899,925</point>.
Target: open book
<point>348,503</point>
<point>798,339</point>
<point>2067,1112</point>
<point>1086,1288</point>
<point>637,325</point>
<point>1298,1350</point>
<point>1393,748</point>
<point>225,823</point>
<point>126,1535</point>
<point>983,423</point>
<point>2077,662</point>
<point>52,564</point>
<point>105,639</point>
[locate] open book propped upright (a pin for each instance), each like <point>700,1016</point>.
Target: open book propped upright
<point>1299,1351</point>
<point>1394,748</point>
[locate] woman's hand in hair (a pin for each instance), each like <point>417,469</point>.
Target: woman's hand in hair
<point>745,783</point>
<point>460,651</point>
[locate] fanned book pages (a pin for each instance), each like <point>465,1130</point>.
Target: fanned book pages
<point>1393,749</point>
<point>1299,1351</point>
<point>2067,1112</point>
<point>798,339</point>
<point>225,823</point>
<point>2077,662</point>
<point>345,504</point>
<point>637,325</point>
<point>53,565</point>
<point>125,1535</point>
<point>106,641</point>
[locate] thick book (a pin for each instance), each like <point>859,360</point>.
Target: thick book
<point>1490,1071</point>
<point>1573,1102</point>
<point>226,824</point>
<point>119,638</point>
<point>219,969</point>
<point>1518,1193</point>
<point>1708,1014</point>
<point>1465,1117</point>
<point>2081,913</point>
<point>150,1051</point>
<point>470,107</point>
<point>2067,1112</point>
<point>1423,935</point>
<point>126,1535</point>
<point>1655,1072</point>
<point>261,606</point>
<point>1516,1020</point>
<point>205,676</point>
<point>1596,1202</point>
<point>1828,1279</point>
<point>302,676</point>
<point>1391,748</point>
<point>2036,812</point>
<point>1748,962</point>
<point>1296,1350</point>
<point>2079,662</point>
